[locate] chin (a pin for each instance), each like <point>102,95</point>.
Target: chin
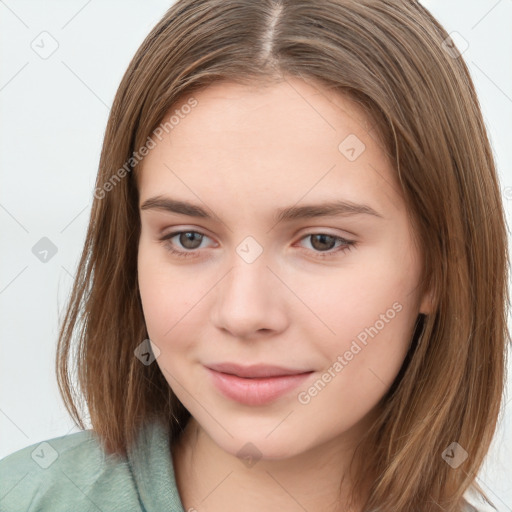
<point>255,445</point>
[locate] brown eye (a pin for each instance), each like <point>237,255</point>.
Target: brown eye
<point>186,245</point>
<point>190,239</point>
<point>324,245</point>
<point>323,242</point>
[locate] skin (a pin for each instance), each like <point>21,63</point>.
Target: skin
<point>242,153</point>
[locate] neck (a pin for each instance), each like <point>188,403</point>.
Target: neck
<point>209,479</point>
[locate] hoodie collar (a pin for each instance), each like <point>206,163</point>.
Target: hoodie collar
<point>152,469</point>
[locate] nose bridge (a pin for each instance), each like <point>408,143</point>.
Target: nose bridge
<point>248,296</point>
<point>249,277</point>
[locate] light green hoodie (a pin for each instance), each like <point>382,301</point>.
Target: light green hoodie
<point>73,473</point>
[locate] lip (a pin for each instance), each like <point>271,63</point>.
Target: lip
<point>254,371</point>
<point>270,383</point>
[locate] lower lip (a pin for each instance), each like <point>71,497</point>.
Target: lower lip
<point>257,391</point>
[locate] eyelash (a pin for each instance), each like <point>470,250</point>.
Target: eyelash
<point>166,240</point>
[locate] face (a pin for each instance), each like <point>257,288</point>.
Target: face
<point>257,272</point>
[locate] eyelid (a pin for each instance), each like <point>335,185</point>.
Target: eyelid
<point>315,230</point>
<point>174,230</point>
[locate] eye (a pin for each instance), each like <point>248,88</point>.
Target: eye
<point>321,243</point>
<point>190,240</point>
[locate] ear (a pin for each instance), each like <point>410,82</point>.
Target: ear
<point>427,303</point>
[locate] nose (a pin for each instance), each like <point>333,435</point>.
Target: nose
<point>250,300</point>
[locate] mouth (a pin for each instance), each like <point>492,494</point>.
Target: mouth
<point>255,385</point>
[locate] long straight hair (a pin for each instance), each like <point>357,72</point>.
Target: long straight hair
<point>393,58</point>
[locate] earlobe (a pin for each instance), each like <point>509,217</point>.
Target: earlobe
<point>427,303</point>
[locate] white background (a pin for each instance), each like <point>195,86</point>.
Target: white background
<point>53,116</point>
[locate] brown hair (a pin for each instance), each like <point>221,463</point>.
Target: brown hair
<point>389,56</point>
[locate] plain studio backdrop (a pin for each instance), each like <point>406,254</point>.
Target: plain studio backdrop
<point>61,64</point>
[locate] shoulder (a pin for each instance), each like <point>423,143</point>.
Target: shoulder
<point>64,473</point>
<point>476,502</point>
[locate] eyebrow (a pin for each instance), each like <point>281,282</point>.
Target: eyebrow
<point>326,209</point>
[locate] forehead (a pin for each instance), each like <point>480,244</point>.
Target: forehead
<point>229,106</point>
<point>291,137</point>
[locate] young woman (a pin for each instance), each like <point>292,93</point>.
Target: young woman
<point>292,295</point>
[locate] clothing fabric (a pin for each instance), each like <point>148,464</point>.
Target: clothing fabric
<point>73,473</point>
<point>477,503</point>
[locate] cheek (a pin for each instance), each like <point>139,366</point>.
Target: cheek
<point>171,297</point>
<point>370,313</point>
<point>361,361</point>
<point>169,304</point>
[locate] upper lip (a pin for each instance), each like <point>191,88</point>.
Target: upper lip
<point>255,371</point>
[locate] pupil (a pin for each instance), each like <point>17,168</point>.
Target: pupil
<point>189,236</point>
